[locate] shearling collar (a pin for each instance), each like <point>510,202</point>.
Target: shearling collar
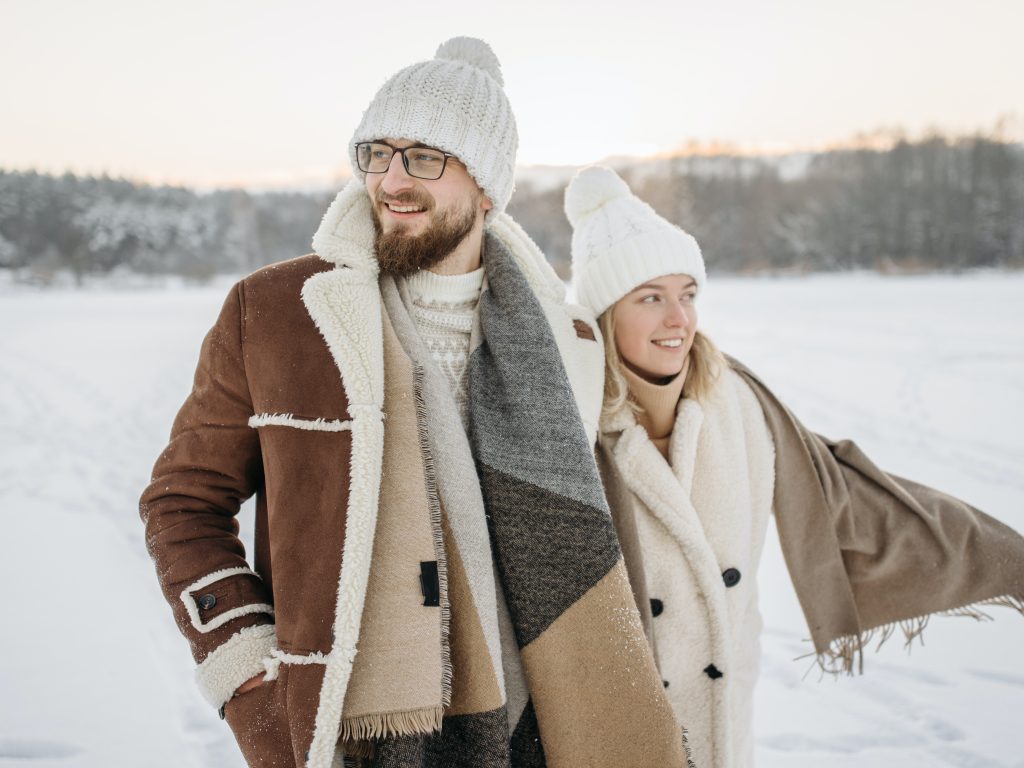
<point>620,421</point>
<point>682,452</point>
<point>345,235</point>
<point>345,238</point>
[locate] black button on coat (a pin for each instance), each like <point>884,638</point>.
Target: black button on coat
<point>731,577</point>
<point>712,671</point>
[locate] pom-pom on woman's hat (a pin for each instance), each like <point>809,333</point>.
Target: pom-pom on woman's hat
<point>619,242</point>
<point>455,102</point>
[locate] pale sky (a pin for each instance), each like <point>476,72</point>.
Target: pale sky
<point>262,93</point>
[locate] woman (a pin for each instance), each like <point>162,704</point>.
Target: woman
<point>696,453</point>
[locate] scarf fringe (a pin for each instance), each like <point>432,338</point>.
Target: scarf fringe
<point>844,651</point>
<point>687,751</point>
<point>438,534</point>
<point>356,731</point>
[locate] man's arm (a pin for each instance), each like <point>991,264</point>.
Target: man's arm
<point>210,466</point>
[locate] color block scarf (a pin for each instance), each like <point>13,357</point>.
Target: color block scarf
<point>595,697</point>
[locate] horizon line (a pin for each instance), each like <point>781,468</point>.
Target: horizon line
<point>880,139</point>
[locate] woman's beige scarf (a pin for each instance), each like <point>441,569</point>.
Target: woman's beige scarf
<point>869,552</point>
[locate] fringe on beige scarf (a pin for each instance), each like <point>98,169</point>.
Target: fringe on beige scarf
<point>845,654</point>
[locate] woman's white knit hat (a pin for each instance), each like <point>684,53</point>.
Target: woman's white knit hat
<point>454,102</point>
<point>619,242</point>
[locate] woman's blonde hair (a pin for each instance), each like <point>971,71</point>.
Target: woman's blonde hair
<point>706,365</point>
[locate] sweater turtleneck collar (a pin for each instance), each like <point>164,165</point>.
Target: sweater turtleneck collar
<point>430,288</point>
<point>658,402</point>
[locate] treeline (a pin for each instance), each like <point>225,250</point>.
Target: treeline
<point>933,204</point>
<point>94,226</point>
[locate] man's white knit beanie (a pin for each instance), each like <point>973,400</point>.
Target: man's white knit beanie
<point>454,102</point>
<point>619,242</point>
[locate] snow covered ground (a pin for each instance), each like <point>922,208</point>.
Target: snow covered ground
<point>926,373</point>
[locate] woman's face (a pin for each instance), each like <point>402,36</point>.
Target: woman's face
<point>655,324</point>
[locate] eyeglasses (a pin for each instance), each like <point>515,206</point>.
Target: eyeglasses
<point>419,162</point>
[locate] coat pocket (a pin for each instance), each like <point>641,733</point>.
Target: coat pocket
<point>260,725</point>
<point>306,487</point>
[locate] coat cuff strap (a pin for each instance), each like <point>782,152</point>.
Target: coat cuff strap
<point>222,596</point>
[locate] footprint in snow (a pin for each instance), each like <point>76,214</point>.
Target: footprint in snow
<point>1007,678</point>
<point>842,743</point>
<point>960,758</point>
<point>35,749</point>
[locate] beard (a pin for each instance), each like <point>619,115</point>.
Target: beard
<point>400,254</point>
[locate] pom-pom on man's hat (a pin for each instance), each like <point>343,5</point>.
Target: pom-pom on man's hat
<point>619,242</point>
<point>455,102</point>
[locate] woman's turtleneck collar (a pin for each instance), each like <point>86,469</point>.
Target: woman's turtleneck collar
<point>658,402</point>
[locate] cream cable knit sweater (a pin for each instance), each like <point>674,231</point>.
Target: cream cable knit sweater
<point>442,308</point>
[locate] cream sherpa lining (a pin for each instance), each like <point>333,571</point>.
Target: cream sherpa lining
<point>241,658</point>
<point>345,306</point>
<point>277,657</point>
<point>289,420</point>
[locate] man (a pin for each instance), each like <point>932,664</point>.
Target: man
<point>436,579</point>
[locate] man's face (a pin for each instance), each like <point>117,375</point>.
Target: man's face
<point>420,221</point>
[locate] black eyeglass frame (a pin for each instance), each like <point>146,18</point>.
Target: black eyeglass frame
<point>405,161</point>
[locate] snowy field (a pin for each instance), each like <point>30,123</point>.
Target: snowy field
<point>926,373</point>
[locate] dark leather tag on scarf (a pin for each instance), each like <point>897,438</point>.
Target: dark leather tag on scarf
<point>430,584</point>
